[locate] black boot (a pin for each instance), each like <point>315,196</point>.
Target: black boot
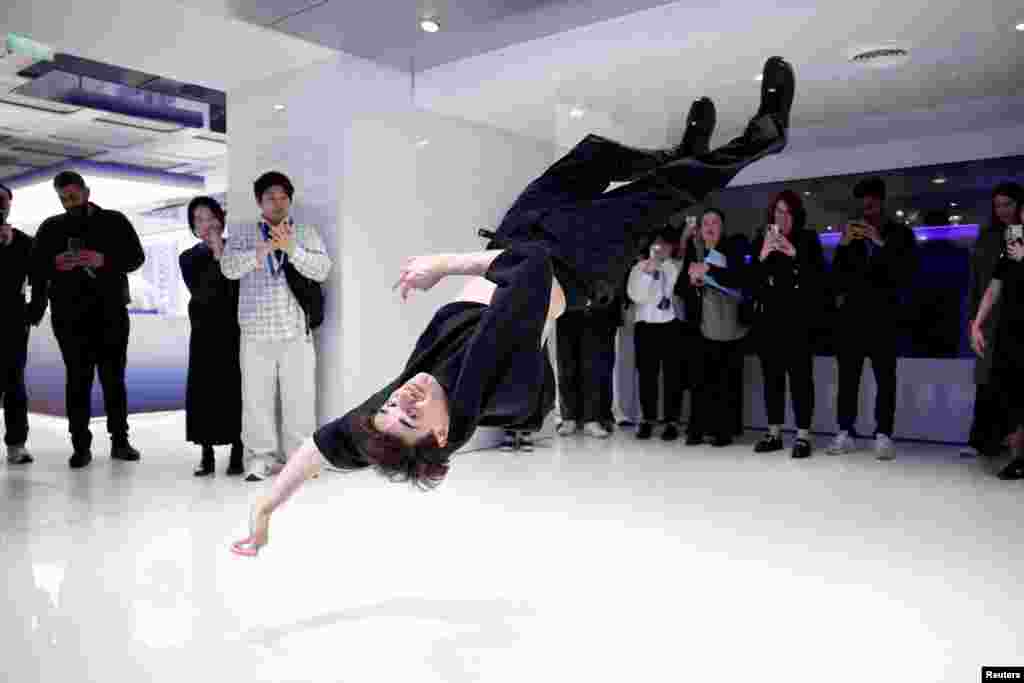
<point>206,464</point>
<point>236,466</point>
<point>1013,470</point>
<point>700,125</point>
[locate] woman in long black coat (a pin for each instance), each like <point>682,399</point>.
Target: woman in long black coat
<point>213,396</point>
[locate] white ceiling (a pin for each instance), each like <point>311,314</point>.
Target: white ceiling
<point>640,72</point>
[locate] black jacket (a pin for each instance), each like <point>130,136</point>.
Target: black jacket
<point>871,290</point>
<point>736,249</point>
<point>74,292</point>
<point>789,290</point>
<point>15,260</point>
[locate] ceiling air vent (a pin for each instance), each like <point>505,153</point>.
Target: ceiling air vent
<point>879,56</point>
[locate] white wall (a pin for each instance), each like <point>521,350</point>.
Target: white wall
<point>382,182</point>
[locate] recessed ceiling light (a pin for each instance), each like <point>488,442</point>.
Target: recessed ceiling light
<point>807,193</point>
<point>430,25</point>
<point>830,228</point>
<point>576,112</point>
<point>953,204</point>
<point>278,107</point>
<point>1020,27</point>
<point>900,213</point>
<point>939,180</point>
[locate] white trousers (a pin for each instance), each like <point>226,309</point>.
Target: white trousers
<point>272,370</point>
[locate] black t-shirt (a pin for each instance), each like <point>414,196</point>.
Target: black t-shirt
<point>1009,350</point>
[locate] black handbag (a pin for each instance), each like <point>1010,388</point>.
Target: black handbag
<point>308,293</point>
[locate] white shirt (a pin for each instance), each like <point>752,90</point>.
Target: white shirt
<point>646,290</point>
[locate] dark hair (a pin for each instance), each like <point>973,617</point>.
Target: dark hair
<point>65,178</point>
<point>795,205</point>
<point>715,210</point>
<point>667,233</point>
<point>270,179</point>
<point>208,202</point>
<point>420,465</point>
<point>870,187</point>
<point>10,195</point>
<point>1012,190</point>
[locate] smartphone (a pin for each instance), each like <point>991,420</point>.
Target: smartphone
<point>691,221</point>
<point>773,230</point>
<point>1015,233</point>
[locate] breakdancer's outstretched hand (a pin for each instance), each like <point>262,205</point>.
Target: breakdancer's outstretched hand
<point>420,272</point>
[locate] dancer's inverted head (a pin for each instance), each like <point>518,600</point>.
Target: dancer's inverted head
<point>402,432</point>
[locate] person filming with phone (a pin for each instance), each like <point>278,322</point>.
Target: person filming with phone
<point>788,278</point>
<point>874,264</point>
<point>81,263</point>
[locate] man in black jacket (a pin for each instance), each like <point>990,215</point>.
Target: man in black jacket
<point>874,264</point>
<point>15,255</point>
<point>81,261</point>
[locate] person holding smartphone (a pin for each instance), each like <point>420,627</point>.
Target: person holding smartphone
<point>874,265</point>
<point>1007,287</point>
<point>988,426</point>
<point>81,263</point>
<point>659,336</point>
<point>787,278</point>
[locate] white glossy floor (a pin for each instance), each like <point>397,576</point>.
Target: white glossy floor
<point>585,561</point>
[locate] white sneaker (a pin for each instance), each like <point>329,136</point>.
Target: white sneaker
<point>884,449</point>
<point>595,430</point>
<point>841,444</point>
<point>566,428</point>
<point>18,455</point>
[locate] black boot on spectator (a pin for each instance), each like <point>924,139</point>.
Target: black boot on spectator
<point>206,464</point>
<point>124,451</point>
<point>644,431</point>
<point>671,432</point>
<point>80,459</point>
<point>802,448</point>
<point>721,440</point>
<point>235,466</point>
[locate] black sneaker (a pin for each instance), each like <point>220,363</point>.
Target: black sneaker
<point>671,433</point>
<point>721,441</point>
<point>645,431</point>
<point>802,448</point>
<point>79,459</point>
<point>124,452</point>
<point>694,439</point>
<point>769,443</point>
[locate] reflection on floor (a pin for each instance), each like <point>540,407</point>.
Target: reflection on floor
<point>584,561</point>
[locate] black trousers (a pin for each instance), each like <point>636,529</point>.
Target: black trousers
<point>586,360</point>
<point>990,423</point>
<point>592,235</point>
<point>789,355</point>
<point>713,408</point>
<point>89,344</point>
<point>662,351</point>
<point>856,345</point>
<point>14,350</point>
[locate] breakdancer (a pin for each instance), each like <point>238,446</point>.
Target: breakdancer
<point>564,244</point>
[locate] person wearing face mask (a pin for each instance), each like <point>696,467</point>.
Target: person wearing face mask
<point>15,257</point>
<point>81,263</point>
<point>714,277</point>
<point>269,258</point>
<point>1007,286</point>
<point>989,424</point>
<point>213,394</point>
<point>788,276</point>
